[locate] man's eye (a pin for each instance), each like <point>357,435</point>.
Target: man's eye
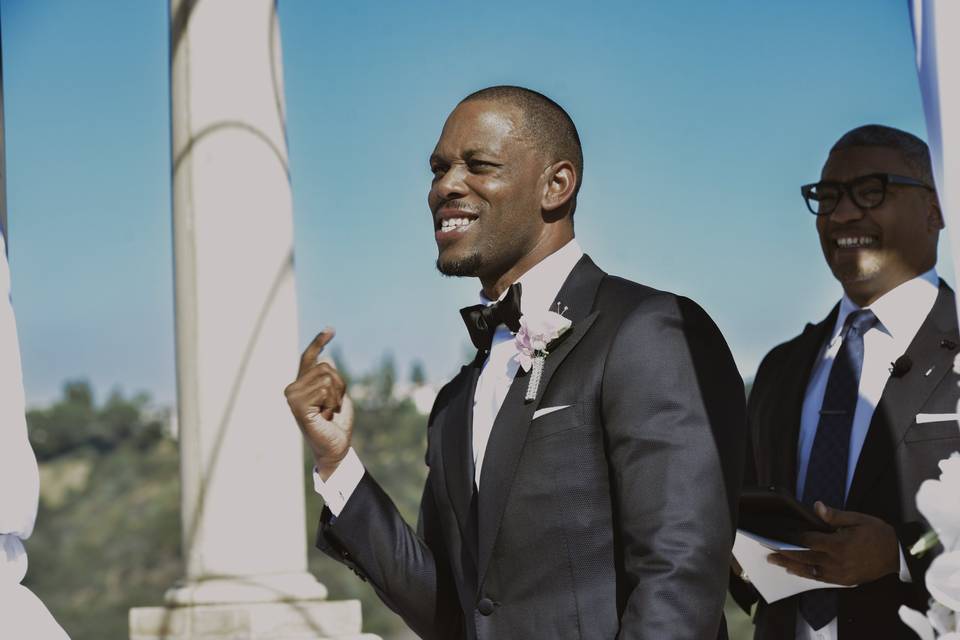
<point>827,204</point>
<point>437,170</point>
<point>479,165</point>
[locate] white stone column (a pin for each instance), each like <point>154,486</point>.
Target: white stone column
<point>236,335</point>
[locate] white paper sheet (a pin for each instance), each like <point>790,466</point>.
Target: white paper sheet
<point>773,582</point>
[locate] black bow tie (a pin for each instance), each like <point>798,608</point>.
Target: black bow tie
<point>482,320</point>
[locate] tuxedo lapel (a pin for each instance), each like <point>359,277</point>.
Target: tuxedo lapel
<point>903,396</point>
<point>789,403</point>
<point>510,427</point>
<point>457,448</point>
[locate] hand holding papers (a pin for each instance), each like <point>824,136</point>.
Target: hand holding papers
<point>771,581</point>
<point>831,547</point>
<point>861,548</point>
<point>768,517</point>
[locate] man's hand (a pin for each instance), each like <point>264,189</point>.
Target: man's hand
<point>862,549</point>
<point>318,401</point>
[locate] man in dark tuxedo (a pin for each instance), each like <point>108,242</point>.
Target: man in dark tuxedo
<point>583,480</point>
<point>841,415</point>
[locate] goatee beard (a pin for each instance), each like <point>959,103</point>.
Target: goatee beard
<point>468,266</point>
<point>866,266</point>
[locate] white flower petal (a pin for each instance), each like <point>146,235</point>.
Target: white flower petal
<point>939,502</point>
<point>525,361</point>
<point>942,619</point>
<point>545,323</point>
<point>943,579</point>
<point>542,327</point>
<point>916,621</point>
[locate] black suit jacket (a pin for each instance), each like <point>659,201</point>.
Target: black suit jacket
<point>897,455</point>
<point>611,518</point>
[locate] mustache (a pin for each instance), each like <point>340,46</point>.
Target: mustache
<point>839,229</point>
<point>458,204</point>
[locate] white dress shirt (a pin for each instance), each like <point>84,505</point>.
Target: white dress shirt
<point>540,286</point>
<point>900,312</point>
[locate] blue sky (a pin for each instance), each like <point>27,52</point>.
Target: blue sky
<point>699,122</point>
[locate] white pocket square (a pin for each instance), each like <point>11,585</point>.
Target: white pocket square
<point>924,418</point>
<point>546,410</point>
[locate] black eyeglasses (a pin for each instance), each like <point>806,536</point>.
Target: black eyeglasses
<point>866,192</point>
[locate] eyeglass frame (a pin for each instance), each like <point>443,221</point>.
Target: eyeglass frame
<point>886,179</point>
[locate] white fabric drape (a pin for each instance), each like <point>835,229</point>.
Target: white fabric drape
<point>936,25</point>
<point>22,614</point>
<point>19,480</point>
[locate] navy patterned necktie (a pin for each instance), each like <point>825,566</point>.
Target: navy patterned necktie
<point>826,479</point>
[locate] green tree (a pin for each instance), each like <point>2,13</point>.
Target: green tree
<point>74,422</point>
<point>418,373</point>
<point>108,532</point>
<point>380,383</point>
<point>341,365</point>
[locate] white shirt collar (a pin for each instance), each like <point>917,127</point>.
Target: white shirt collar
<point>901,310</point>
<point>542,282</point>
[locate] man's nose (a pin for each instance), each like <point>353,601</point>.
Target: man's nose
<point>450,184</point>
<point>846,211</point>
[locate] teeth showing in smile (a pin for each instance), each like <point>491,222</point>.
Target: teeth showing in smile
<point>451,224</point>
<point>855,242</point>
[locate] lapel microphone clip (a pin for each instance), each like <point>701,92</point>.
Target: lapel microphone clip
<point>901,366</point>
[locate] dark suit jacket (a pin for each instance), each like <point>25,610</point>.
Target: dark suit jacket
<point>897,455</point>
<point>611,518</point>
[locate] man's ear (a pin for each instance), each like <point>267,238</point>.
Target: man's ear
<point>561,184</point>
<point>934,214</point>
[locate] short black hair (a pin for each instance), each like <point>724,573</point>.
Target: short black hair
<point>915,151</point>
<point>546,123</point>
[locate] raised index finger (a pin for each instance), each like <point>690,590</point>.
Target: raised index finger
<point>309,357</point>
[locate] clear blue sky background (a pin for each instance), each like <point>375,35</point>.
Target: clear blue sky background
<point>699,122</point>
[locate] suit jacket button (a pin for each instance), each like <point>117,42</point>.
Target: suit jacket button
<point>485,606</point>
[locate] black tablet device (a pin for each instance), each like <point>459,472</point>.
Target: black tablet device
<point>774,512</point>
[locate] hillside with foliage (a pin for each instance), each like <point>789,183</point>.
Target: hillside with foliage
<point>108,533</point>
<point>108,530</point>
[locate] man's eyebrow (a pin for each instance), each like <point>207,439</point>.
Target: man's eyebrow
<point>469,154</point>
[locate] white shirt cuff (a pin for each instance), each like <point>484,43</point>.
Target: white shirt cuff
<point>341,484</point>
<point>904,570</point>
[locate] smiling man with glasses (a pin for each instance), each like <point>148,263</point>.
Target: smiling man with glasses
<point>877,215</point>
<point>842,415</point>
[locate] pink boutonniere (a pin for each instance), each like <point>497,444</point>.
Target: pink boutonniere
<point>537,331</point>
